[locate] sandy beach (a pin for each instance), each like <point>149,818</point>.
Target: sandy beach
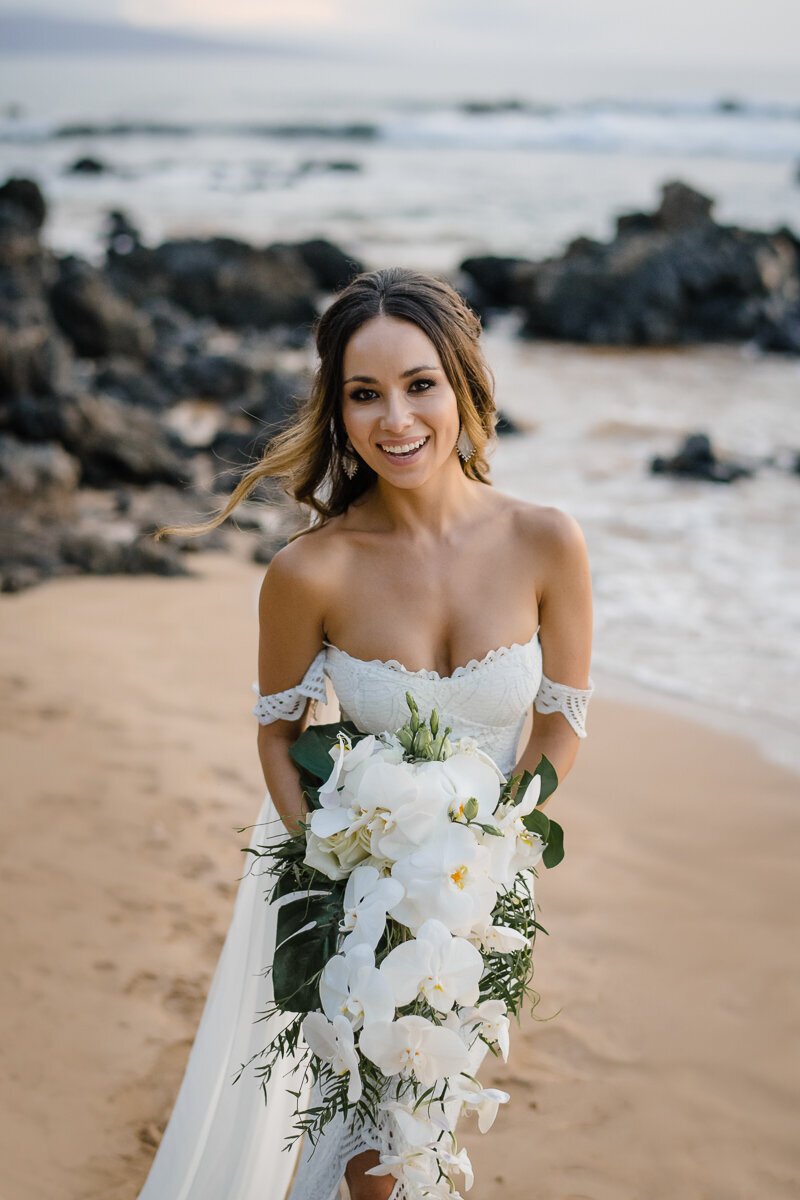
<point>667,1066</point>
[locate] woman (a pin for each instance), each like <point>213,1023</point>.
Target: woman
<point>416,576</point>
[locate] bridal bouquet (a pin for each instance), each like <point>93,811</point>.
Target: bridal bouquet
<point>405,932</point>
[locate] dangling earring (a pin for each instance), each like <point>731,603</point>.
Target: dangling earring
<point>349,460</point>
<point>464,444</point>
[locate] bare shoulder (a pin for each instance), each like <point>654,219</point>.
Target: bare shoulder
<point>302,573</point>
<point>552,535</point>
<point>292,606</point>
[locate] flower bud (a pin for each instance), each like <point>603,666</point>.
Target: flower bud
<point>406,738</point>
<point>422,742</point>
<point>471,809</point>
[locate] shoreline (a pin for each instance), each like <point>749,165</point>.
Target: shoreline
<point>776,744</point>
<point>131,762</point>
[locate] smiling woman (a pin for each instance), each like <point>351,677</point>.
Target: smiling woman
<point>406,417</point>
<point>416,579</point>
<point>369,342</point>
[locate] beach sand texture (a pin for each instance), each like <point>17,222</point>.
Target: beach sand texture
<point>669,1067</point>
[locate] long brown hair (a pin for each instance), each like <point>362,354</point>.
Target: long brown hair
<point>308,456</point>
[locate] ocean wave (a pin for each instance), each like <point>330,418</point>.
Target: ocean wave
<point>42,131</point>
<point>721,127</point>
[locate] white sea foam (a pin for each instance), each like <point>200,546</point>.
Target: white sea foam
<point>696,584</point>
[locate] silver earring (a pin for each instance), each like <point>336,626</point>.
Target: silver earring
<point>464,444</point>
<point>349,460</point>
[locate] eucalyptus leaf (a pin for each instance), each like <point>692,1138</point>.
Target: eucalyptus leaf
<point>538,821</point>
<point>523,785</point>
<point>547,773</point>
<point>554,850</point>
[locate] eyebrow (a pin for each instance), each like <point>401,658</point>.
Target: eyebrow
<point>405,375</point>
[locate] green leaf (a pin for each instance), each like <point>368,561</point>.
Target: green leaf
<point>538,822</point>
<point>524,781</point>
<point>547,773</point>
<point>300,956</point>
<point>554,850</point>
<point>311,751</point>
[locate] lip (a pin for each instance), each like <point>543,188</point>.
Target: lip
<point>405,458</point>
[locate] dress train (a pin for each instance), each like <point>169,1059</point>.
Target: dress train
<point>223,1142</point>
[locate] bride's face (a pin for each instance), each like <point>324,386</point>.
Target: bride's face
<point>398,407</point>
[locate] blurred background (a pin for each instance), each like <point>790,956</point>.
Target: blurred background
<point>474,142</point>
<point>184,185</point>
<point>445,137</point>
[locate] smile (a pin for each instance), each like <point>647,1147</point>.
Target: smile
<point>404,450</point>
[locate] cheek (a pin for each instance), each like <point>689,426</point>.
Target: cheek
<point>448,415</point>
<point>356,420</point>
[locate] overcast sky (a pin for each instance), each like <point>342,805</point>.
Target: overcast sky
<point>717,31</point>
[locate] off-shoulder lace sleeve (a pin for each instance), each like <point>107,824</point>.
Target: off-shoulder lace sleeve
<point>559,697</point>
<point>286,706</point>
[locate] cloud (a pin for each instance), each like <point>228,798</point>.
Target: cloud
<point>684,30</point>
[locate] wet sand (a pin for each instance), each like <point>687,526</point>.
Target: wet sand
<point>668,1067</point>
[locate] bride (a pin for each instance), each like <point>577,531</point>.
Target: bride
<point>415,575</point>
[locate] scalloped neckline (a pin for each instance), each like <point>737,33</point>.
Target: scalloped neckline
<point>423,673</point>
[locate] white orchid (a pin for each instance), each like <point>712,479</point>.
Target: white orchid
<point>457,1162</point>
<point>517,849</point>
<point>337,753</point>
<point>367,897</point>
<point>346,757</point>
<point>417,1165</point>
<point>400,831</point>
<point>500,939</point>
<point>444,969</point>
<point>484,1101</point>
<point>422,1124</point>
<point>352,986</point>
<point>465,777</point>
<point>447,879</point>
<point>415,1046</point>
<point>487,1019</point>
<point>333,1042</point>
<point>339,836</point>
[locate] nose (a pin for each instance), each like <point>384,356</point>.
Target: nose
<point>397,414</point>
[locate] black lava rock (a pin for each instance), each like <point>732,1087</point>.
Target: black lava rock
<point>696,460</point>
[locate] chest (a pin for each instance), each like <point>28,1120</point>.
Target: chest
<point>433,611</point>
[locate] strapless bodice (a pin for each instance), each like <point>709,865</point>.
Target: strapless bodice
<point>487,699</point>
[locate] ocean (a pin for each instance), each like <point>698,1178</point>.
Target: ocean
<point>696,585</point>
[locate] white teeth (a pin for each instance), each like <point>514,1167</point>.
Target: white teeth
<point>404,449</point>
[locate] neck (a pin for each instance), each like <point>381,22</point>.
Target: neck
<point>434,508</point>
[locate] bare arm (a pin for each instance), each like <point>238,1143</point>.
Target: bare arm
<point>290,635</point>
<point>565,633</point>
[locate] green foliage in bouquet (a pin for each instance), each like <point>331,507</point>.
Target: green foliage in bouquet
<point>311,755</point>
<point>307,933</point>
<point>537,821</point>
<point>309,919</point>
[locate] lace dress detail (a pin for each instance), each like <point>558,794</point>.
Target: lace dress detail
<point>286,706</point>
<point>572,702</point>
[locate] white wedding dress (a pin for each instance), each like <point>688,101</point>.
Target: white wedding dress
<point>223,1142</point>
